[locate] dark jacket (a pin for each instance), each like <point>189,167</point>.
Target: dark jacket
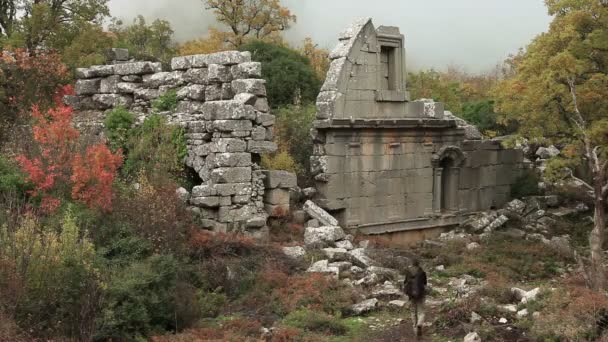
<point>415,283</point>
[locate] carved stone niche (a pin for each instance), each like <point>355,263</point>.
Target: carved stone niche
<point>391,54</point>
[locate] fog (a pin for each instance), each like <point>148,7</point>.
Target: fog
<point>472,34</point>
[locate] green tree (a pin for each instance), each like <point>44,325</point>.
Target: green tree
<point>431,85</point>
<point>290,77</point>
<point>560,92</point>
<point>48,23</point>
<point>146,41</point>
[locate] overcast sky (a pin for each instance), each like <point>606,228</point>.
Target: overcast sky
<point>474,34</point>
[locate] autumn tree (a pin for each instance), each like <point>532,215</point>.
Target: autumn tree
<point>560,93</point>
<point>214,42</point>
<point>256,19</point>
<point>26,80</point>
<point>318,57</point>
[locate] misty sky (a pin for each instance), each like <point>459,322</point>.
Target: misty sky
<point>474,34</point>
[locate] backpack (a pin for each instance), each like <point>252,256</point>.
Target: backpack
<point>414,284</point>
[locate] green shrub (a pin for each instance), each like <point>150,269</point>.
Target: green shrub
<point>280,161</point>
<point>292,131</point>
<point>211,303</point>
<point>290,77</point>
<point>166,102</point>
<point>51,276</point>
<point>140,300</point>
<point>526,185</point>
<point>155,147</point>
<point>315,322</point>
<point>118,125</point>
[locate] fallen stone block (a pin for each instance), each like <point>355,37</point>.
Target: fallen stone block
<point>296,252</point>
<point>359,258</point>
<point>364,306</point>
<point>319,214</point>
<point>472,337</point>
<point>323,267</point>
<point>336,254</point>
<point>516,206</point>
<point>323,236</point>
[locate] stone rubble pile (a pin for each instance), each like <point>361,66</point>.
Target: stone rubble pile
<point>223,108</point>
<point>348,262</point>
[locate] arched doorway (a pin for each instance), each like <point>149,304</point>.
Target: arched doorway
<point>449,185</point>
<point>446,180</point>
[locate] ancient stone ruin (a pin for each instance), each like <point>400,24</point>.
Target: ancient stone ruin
<point>383,164</point>
<point>388,165</point>
<point>223,109</point>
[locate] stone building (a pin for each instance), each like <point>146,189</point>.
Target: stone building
<point>388,165</point>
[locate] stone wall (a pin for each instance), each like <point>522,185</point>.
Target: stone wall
<point>224,111</point>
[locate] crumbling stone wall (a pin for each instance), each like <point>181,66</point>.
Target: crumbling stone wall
<point>224,111</point>
<point>385,164</point>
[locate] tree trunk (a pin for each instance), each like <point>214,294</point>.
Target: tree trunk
<point>596,239</point>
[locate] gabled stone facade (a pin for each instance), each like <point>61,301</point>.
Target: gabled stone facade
<point>224,111</point>
<point>384,164</point>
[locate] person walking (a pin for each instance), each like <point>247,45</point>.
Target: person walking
<point>415,288</point>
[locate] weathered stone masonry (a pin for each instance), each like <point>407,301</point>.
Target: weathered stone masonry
<point>223,108</point>
<point>385,164</point>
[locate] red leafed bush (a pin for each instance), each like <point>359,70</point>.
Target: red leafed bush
<point>93,175</point>
<point>56,164</point>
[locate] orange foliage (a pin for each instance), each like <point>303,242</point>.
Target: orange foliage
<point>57,162</point>
<point>93,175</point>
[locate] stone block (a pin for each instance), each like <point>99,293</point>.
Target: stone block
<point>323,236</point>
<point>146,94</point>
<point>258,133</point>
<point>227,92</point>
<point>206,202</point>
<point>232,125</point>
<point>137,68</point>
<point>127,87</point>
<point>228,110</point>
<point>174,79</point>
<point>118,54</point>
<point>218,74</point>
<point>261,105</point>
<point>194,92</point>
<point>319,214</point>
<point>95,71</point>
<point>88,87</point>
<point>265,120</point>
<point>276,196</point>
<point>204,191</point>
<point>196,76</point>
<point>243,214</point>
<point>181,63</point>
<point>107,101</point>
<point>109,85</point>
<point>199,61</point>
<point>132,78</point>
<point>280,179</point>
<point>190,107</point>
<point>246,98</point>
<point>261,147</point>
<point>247,70</point>
<point>254,86</point>
<point>229,57</point>
<point>240,189</point>
<point>231,175</point>
<point>232,160</point>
